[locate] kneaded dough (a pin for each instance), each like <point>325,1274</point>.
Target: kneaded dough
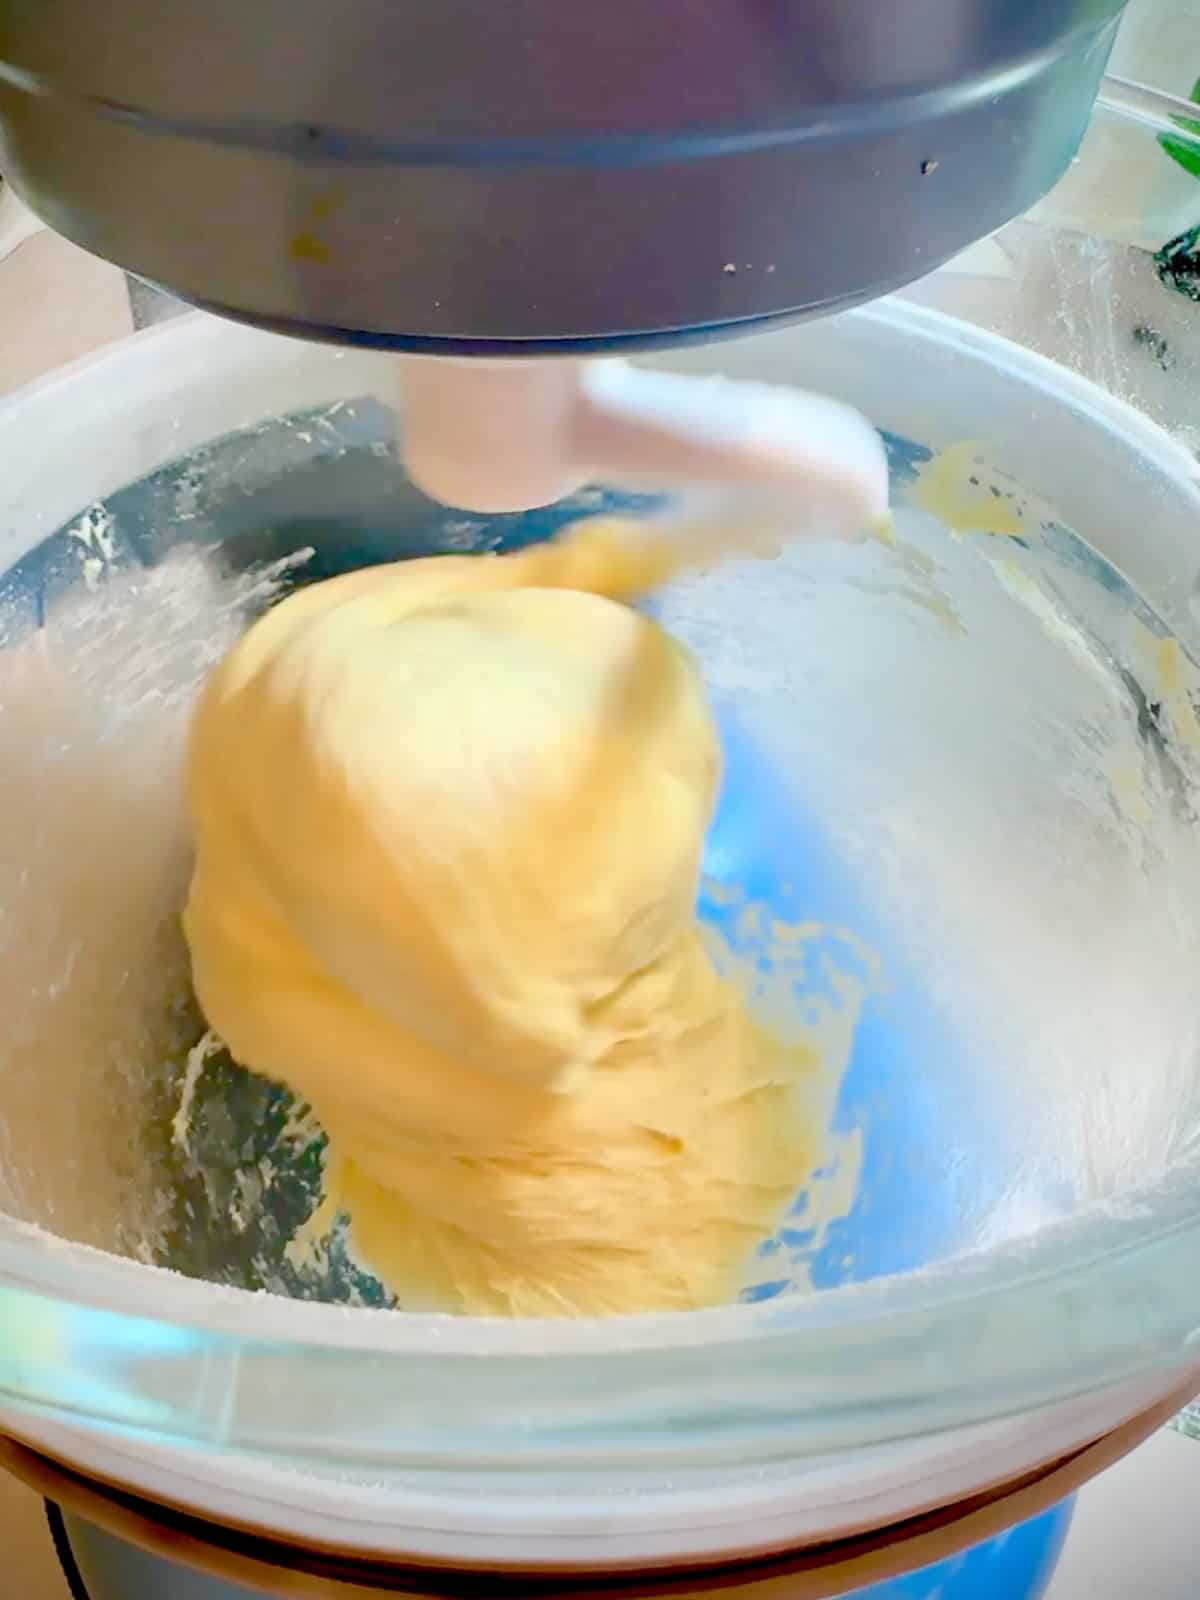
<point>448,822</point>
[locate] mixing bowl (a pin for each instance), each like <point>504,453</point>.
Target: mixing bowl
<point>961,768</point>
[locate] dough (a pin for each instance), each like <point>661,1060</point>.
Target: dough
<point>448,822</point>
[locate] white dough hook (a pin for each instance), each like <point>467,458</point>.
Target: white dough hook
<point>492,436</point>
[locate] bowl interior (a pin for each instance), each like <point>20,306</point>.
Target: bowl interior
<point>956,839</point>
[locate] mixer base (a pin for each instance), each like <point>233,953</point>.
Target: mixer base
<point>1013,1566</point>
<point>1003,1542</point>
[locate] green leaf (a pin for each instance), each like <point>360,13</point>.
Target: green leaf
<point>1184,152</point>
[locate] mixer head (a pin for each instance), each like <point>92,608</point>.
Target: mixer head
<point>466,177</point>
<point>543,178</point>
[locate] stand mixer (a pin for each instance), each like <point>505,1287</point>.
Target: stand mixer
<point>507,198</point>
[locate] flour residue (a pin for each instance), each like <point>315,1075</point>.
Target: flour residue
<point>93,865</point>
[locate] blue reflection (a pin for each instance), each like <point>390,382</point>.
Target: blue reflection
<point>1016,1565</point>
<point>901,1088</point>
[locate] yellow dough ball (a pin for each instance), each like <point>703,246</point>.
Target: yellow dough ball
<point>448,822</point>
